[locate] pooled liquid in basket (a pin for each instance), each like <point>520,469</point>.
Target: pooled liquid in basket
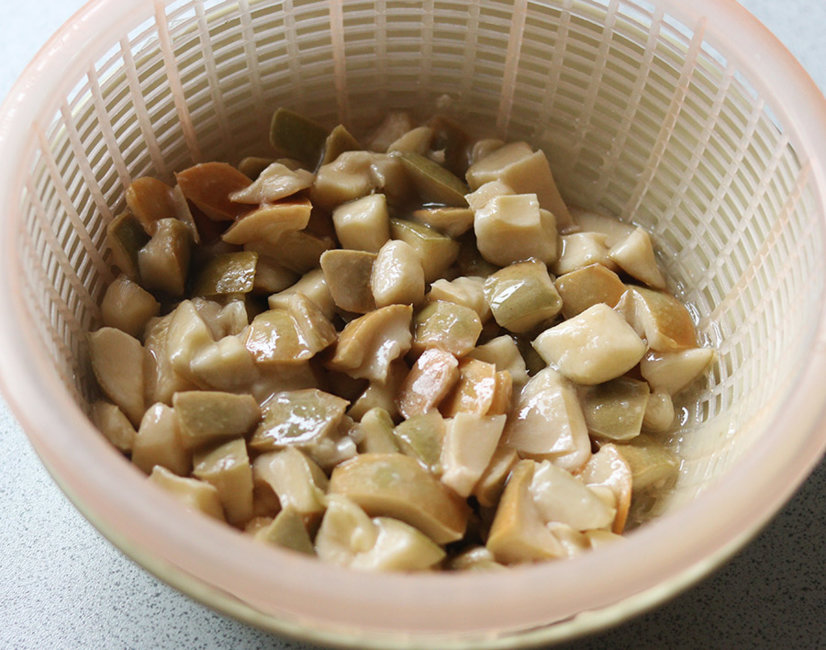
<point>403,352</point>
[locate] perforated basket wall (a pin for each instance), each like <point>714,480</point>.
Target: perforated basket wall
<point>639,115</point>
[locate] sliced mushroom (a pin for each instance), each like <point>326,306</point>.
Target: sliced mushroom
<point>522,296</point>
<point>671,372</point>
<point>208,186</point>
<point>113,424</point>
<point>395,485</point>
<point>347,274</point>
<point>274,182</point>
<point>429,381</point>
<point>518,533</point>
<point>159,441</point>
<point>164,261</point>
<point>561,497</point>
<point>367,345</point>
<point>436,251</point>
<point>608,468</point>
<point>269,222</point>
<point>469,443</point>
<point>447,326</point>
<point>397,276</point>
<point>299,483</point>
<point>615,410</point>
<point>422,437</point>
<point>635,256</point>
<point>588,286</point>
<point>206,416</point>
<point>582,249</point>
<point>227,467</point>
<point>416,140</point>
<point>592,347</point>
<point>127,306</point>
<point>434,183</point>
<point>661,319</point>
<point>513,228</point>
<point>363,224</point>
<point>468,291</point>
<point>547,422</point>
<point>193,494</point>
<point>117,361</point>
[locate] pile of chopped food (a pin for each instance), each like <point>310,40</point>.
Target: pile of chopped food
<point>401,356</point>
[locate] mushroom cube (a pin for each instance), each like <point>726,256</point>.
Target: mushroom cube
<point>592,347</point>
<point>635,256</point>
<point>651,463</point>
<point>615,409</point>
<point>227,467</point>
<point>209,185</point>
<point>286,530</point>
<point>607,468</point>
<point>117,362</point>
<point>469,443</point>
<point>113,424</point>
<point>468,291</point>
<point>224,365</point>
<point>164,261</point>
<point>227,273</point>
<point>397,276</point>
<point>588,286</point>
<point>422,437</point>
<point>363,224</point>
<point>207,415</point>
<point>474,391</point>
<point>503,352</point>
<point>429,381</point>
<point>436,251</point>
<point>561,497</point>
<point>160,441</point>
<point>671,372</point>
<point>347,274</point>
<point>582,249</point>
<point>297,480</point>
<point>512,228</point>
<point>150,200</point>
<point>276,181</point>
<point>447,326</point>
<point>128,306</point>
<point>660,318</point>
<point>522,296</point>
<point>193,494</point>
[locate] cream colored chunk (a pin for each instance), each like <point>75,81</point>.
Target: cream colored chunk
<point>429,381</point>
<point>128,306</point>
<point>206,416</point>
<point>298,482</point>
<point>113,424</point>
<point>346,532</point>
<point>581,249</point>
<point>397,275</point>
<point>363,224</point>
<point>376,430</point>
<point>315,331</point>
<point>161,379</point>
<point>484,147</point>
<point>227,467</point>
<point>270,276</point>
<point>671,372</point>
<point>526,171</point>
<point>448,326</point>
<point>276,181</point>
<point>421,436</point>
<point>392,127</point>
<point>345,179</point>
<point>590,221</point>
<point>347,274</point>
<point>591,348</point>
<point>601,538</point>
<point>573,541</point>
<point>522,296</point>
<point>490,485</point>
<point>269,222</point>
<point>159,441</point>
<point>450,221</point>
<point>512,228</point>
<point>313,285</point>
<point>286,530</point>
<point>607,468</point>
<point>187,336</point>
<point>468,291</point>
<point>588,286</point>
<point>415,140</point>
<point>503,352</point>
<point>164,261</point>
<point>399,547</point>
<point>518,533</point>
<point>652,464</point>
<point>381,394</point>
<point>661,319</point>
<point>469,443</point>
<point>436,251</point>
<point>635,256</point>
<point>615,409</point>
<point>397,486</point>
<point>475,390</point>
<point>368,344</point>
<point>193,494</point>
<point>547,422</point>
<point>479,198</point>
<point>659,413</point>
<point>562,497</point>
<point>117,361</point>
<point>224,365</point>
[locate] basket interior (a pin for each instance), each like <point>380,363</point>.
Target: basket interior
<point>639,114</point>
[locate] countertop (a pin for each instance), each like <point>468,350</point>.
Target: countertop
<point>62,585</point>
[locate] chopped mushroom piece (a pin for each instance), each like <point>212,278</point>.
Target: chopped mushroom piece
<point>208,415</point>
<point>395,485</point>
<point>296,136</point>
<point>588,286</point>
<point>269,222</point>
<point>226,274</point>
<point>476,558</point>
<point>615,409</point>
<point>209,185</point>
<point>162,380</point>
<point>355,174</point>
<point>376,428</point>
<point>608,468</point>
<point>297,480</point>
<point>194,494</point>
<point>474,391</point>
<point>447,326</point>
<point>159,441</point>
<point>670,372</point>
<point>227,467</point>
<point>296,250</point>
<point>125,236</point>
<point>347,274</point>
<point>422,437</point>
<point>518,532</point>
<point>436,251</point>
<point>651,463</point>
<point>561,497</point>
<point>163,262</point>
<point>286,530</point>
<point>150,199</point>
<point>659,413</point>
<point>117,361</point>
<point>271,277</point>
<point>479,198</point>
<point>114,425</point>
<point>313,285</point>
<point>635,256</point>
<point>382,394</point>
<point>504,354</point>
<point>397,276</point>
<point>526,171</point>
<point>275,182</point>
<point>315,332</point>
<point>186,336</point>
<point>484,147</point>
<point>469,443</point>
<point>582,249</point>
<point>512,228</point>
<point>415,140</point>
<point>434,183</point>
<point>662,320</point>
<point>128,306</point>
<point>394,125</point>
<point>346,531</point>
<point>452,222</point>
<point>489,487</point>
<point>468,291</point>
<point>399,547</point>
<point>363,224</point>
<point>590,221</point>
<point>367,345</point>
<point>547,422</point>
<point>429,381</point>
<point>252,166</point>
<point>338,141</point>
<point>592,347</point>
<point>573,541</point>
<point>522,296</point>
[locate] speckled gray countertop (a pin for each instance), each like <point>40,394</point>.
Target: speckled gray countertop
<point>63,586</point>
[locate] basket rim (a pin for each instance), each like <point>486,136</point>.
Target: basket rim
<point>188,550</point>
